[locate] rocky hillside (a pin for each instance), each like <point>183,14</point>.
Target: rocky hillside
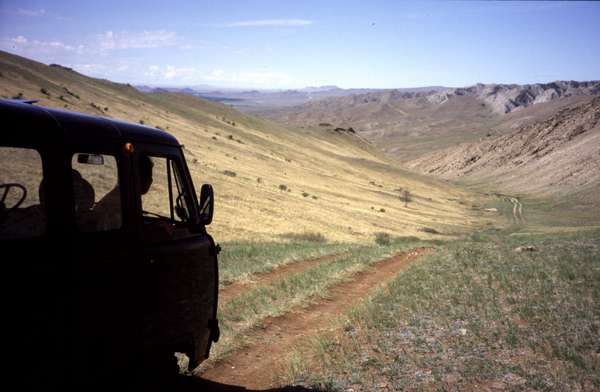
<point>408,124</point>
<point>557,156</point>
<point>506,98</point>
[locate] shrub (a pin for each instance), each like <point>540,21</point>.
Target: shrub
<point>382,210</point>
<point>229,173</point>
<point>283,187</point>
<point>383,239</point>
<point>305,194</point>
<point>44,91</point>
<point>141,122</point>
<point>305,237</point>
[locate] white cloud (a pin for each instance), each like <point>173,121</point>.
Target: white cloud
<point>191,75</point>
<point>179,73</point>
<point>23,45</point>
<point>135,40</point>
<point>19,40</point>
<point>31,13</point>
<point>26,12</point>
<point>270,23</point>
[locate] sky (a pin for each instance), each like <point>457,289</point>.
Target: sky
<point>293,44</point>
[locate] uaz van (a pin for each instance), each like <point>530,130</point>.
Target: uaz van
<point>108,269</point>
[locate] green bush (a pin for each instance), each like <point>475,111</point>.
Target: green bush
<point>305,237</point>
<point>383,239</point>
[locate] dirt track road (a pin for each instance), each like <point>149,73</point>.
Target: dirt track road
<point>258,365</point>
<point>231,291</point>
<point>517,211</point>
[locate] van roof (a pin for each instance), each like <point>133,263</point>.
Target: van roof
<point>27,121</point>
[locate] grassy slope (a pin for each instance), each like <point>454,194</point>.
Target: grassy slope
<point>474,315</point>
<point>338,186</point>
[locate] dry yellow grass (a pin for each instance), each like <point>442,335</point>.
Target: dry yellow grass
<point>338,185</point>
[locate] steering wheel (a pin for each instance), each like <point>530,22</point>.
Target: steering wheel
<point>7,188</point>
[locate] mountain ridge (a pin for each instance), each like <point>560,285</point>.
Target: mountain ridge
<point>407,124</point>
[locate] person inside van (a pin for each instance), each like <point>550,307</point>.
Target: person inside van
<point>108,210</point>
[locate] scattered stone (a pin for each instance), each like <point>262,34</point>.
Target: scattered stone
<point>513,379</point>
<point>429,230</point>
<point>526,248</point>
<point>491,209</point>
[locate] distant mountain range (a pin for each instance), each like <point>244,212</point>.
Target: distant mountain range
<point>253,100</point>
<point>505,98</point>
<point>407,123</point>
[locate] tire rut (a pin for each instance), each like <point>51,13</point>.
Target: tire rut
<point>234,289</point>
<point>255,366</point>
<point>517,211</point>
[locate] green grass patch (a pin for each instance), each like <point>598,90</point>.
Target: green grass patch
<point>470,315</point>
<point>238,260</point>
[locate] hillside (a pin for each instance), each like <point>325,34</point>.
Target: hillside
<point>408,124</point>
<point>557,157</point>
<point>269,180</point>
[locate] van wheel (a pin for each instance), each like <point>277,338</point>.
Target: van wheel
<point>161,368</point>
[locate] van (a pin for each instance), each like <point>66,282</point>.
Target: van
<point>108,268</point>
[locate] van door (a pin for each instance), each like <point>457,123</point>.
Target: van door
<point>179,260</point>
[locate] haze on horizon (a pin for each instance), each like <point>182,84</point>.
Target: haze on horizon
<point>271,44</point>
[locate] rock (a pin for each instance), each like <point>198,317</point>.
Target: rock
<point>513,379</point>
<point>526,248</point>
<point>429,230</point>
<point>491,209</point>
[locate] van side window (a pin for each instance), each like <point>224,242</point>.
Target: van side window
<point>22,213</point>
<point>96,191</point>
<point>167,196</point>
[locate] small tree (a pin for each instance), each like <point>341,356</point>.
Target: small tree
<point>406,197</point>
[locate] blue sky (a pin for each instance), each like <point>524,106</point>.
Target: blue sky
<point>290,44</point>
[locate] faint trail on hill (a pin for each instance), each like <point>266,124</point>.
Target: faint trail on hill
<point>231,291</point>
<point>256,366</point>
<point>517,211</point>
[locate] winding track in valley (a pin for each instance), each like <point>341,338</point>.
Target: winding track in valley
<point>517,211</point>
<point>257,365</point>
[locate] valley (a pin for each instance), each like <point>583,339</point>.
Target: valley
<point>427,239</point>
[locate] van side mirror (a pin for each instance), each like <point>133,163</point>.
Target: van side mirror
<point>207,204</point>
